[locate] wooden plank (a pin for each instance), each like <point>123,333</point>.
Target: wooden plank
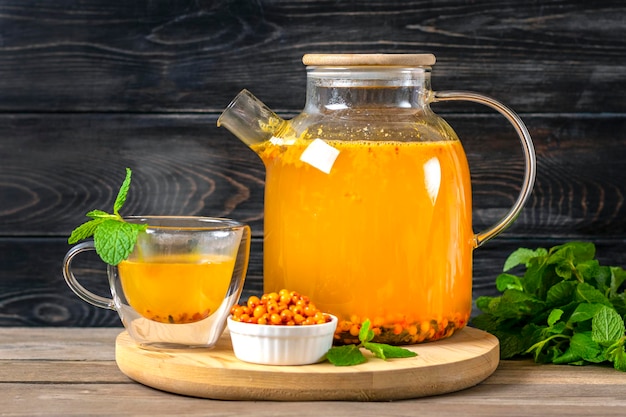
<point>33,292</point>
<point>68,372</point>
<point>57,344</point>
<point>60,378</point>
<point>61,166</point>
<point>55,168</point>
<point>559,56</point>
<point>527,372</point>
<point>92,399</point>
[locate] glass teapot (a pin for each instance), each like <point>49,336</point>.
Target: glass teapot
<point>368,198</point>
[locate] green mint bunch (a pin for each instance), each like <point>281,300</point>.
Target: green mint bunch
<point>113,237</point>
<point>565,309</point>
<point>351,354</point>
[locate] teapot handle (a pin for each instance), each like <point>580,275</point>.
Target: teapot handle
<point>529,156</point>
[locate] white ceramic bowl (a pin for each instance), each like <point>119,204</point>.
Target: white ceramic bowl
<point>281,345</point>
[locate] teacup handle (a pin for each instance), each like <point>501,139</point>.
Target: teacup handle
<point>527,146</point>
<point>73,283</point>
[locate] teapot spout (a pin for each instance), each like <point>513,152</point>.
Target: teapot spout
<point>250,120</point>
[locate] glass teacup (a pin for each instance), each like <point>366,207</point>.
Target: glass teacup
<point>178,285</point>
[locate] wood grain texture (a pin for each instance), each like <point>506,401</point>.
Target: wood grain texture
<point>557,56</point>
<point>34,293</point>
<point>79,378</point>
<point>88,88</point>
<point>57,167</point>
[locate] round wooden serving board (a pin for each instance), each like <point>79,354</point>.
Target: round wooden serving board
<point>461,361</point>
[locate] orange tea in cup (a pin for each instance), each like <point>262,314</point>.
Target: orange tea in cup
<point>176,289</point>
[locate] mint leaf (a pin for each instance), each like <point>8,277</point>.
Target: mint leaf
<point>561,293</point>
<point>566,308</point>
<point>619,360</point>
<point>365,334</point>
<point>618,277</point>
<point>99,214</point>
<point>508,282</point>
<point>347,355</point>
<point>511,343</point>
<point>583,345</point>
<point>384,351</point>
<point>588,269</point>
<point>114,238</point>
<point>122,193</point>
<point>351,354</point>
<point>521,257</point>
<point>555,315</point>
<point>580,251</point>
<point>587,293</point>
<point>584,312</point>
<point>607,327</point>
<point>515,304</point>
<point>84,231</point>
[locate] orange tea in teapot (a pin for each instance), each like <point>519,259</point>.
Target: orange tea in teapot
<point>367,196</point>
<point>385,235</point>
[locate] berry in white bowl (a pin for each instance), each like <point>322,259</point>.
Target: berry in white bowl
<point>281,344</point>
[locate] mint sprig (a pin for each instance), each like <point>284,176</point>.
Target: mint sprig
<point>349,355</point>
<point>114,238</point>
<point>565,308</point>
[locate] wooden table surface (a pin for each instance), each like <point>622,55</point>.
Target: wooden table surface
<point>72,372</point>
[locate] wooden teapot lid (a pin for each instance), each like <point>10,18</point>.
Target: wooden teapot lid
<point>406,60</point>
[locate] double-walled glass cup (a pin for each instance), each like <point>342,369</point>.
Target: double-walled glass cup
<point>178,285</point>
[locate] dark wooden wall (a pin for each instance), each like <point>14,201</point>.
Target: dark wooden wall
<point>90,87</point>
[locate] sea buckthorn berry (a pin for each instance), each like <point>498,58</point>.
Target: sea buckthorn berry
<point>296,309</point>
<point>259,311</point>
<point>272,308</point>
<point>310,310</point>
<point>344,326</point>
<point>275,319</point>
<point>253,301</point>
<point>280,308</point>
<point>286,315</point>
